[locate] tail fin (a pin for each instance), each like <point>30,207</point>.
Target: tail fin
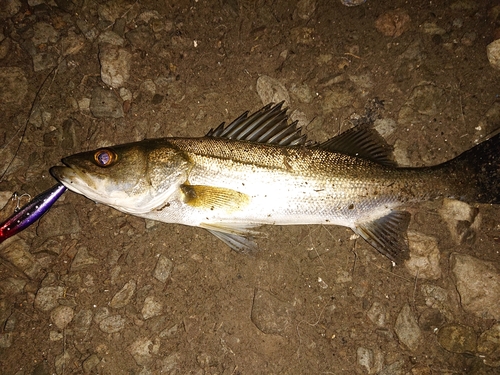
<point>477,171</point>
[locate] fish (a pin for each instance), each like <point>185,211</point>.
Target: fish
<point>261,170</point>
<point>25,216</point>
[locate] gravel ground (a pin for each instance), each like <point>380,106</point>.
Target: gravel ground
<point>89,290</point>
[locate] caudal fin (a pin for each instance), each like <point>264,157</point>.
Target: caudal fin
<point>477,172</point>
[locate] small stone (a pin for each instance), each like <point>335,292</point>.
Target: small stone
<point>123,297</point>
<point>463,220</point>
<point>163,269</point>
<point>61,316</point>
<point>305,8</point>
<point>11,286</point>
<point>105,103</point>
<point>6,340</point>
<point>16,251</point>
<point>271,90</point>
<point>44,33</point>
<point>90,363</point>
<point>457,338</point>
<point>14,85</point>
<point>478,283</point>
<point>47,297</point>
<point>82,321</point>
<point>82,259</point>
<point>302,92</point>
<point>336,98</point>
<point>112,324</point>
<point>141,37</point>
<point>493,53</point>
<point>395,368</point>
<point>371,361</point>
<point>44,60</point>
<point>151,308</point>
<point>115,65</point>
<point>55,336</point>
<point>269,314</point>
<point>72,43</point>
<point>385,126</point>
<point>141,351</point>
<point>424,256</point>
<point>407,329</point>
<point>377,314</point>
<point>393,23</point>
<point>62,362</point>
<point>488,345</point>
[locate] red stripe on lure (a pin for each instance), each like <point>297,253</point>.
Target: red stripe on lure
<point>31,212</point>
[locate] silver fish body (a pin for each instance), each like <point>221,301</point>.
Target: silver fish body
<point>260,170</point>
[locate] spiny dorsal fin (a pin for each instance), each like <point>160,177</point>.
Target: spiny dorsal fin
<point>268,125</point>
<point>363,142</point>
<point>387,234</point>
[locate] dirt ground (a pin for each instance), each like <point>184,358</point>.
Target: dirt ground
<point>92,290</point>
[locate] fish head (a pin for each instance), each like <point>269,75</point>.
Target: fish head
<point>133,178</point>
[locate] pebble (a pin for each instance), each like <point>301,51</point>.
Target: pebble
<point>141,38</point>
<point>395,368</point>
<point>61,316</point>
<point>123,297</point>
<point>377,314</point>
<point>306,8</point>
<point>90,363</point>
<point>488,345</point>
<point>62,362</point>
<point>478,283</point>
<point>43,61</point>
<point>385,126</point>
<point>457,338</point>
<point>370,360</point>
<point>112,38</point>
<point>393,23</point>
<point>493,53</point>
<point>141,350</point>
<point>82,259</point>
<point>302,92</point>
<point>112,324</point>
<point>14,85</point>
<point>44,33</point>
<point>6,340</point>
<point>424,256</point>
<point>11,286</point>
<point>163,269</point>
<point>105,103</point>
<point>151,308</point>
<point>47,297</point>
<point>269,314</point>
<point>407,329</point>
<point>82,321</point>
<point>16,251</point>
<point>270,90</point>
<point>352,3</point>
<point>462,220</point>
<point>115,65</point>
<point>435,296</point>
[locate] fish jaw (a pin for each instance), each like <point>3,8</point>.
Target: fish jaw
<point>94,189</point>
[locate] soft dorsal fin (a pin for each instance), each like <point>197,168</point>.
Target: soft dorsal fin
<point>363,142</point>
<point>268,125</point>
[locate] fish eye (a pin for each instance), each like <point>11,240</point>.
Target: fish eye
<point>104,157</point>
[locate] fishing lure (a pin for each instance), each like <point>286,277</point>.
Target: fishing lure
<point>31,212</point>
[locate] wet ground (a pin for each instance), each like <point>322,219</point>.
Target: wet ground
<point>91,290</point>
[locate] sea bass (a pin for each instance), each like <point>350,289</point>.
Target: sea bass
<point>261,170</point>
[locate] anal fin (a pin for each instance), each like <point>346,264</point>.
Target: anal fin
<point>387,234</point>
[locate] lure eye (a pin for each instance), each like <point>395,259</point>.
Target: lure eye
<point>104,157</point>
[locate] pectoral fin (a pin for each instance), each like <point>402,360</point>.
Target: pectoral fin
<point>387,234</point>
<point>237,237</point>
<point>214,198</point>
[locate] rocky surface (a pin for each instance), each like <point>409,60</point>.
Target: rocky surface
<point>89,290</point>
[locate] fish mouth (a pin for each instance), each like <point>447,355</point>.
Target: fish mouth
<point>70,177</point>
